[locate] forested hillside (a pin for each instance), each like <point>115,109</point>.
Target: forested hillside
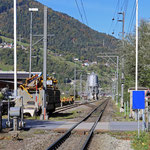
<point>71,39</point>
<point>71,36</point>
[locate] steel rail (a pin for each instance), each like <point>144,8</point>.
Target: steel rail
<point>66,108</point>
<point>60,109</point>
<point>58,142</point>
<point>85,145</point>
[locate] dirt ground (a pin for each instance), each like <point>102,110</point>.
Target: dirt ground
<point>28,140</point>
<point>109,113</point>
<point>107,142</point>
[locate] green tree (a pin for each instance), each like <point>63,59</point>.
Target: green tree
<point>143,57</point>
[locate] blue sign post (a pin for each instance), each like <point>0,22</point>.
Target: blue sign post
<point>138,100</point>
<point>138,103</point>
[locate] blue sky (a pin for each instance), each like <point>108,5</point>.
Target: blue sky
<point>100,13</point>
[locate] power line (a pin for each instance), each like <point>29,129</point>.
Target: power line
<point>84,13</point>
<point>132,17</point>
<point>113,19</point>
<point>126,7</point>
<point>79,11</point>
<point>121,6</point>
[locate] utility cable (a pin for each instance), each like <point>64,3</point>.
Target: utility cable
<point>132,17</point>
<point>113,19</point>
<point>84,13</point>
<point>79,11</point>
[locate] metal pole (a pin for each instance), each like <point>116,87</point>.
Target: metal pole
<point>122,77</point>
<point>117,80</point>
<point>127,107</point>
<point>8,122</point>
<point>44,63</point>
<point>143,117</point>
<point>22,107</point>
<point>138,124</point>
<point>30,46</point>
<point>123,28</point>
<point>36,98</point>
<point>136,70</point>
<point>66,87</point>
<point>122,84</point>
<point>115,87</point>
<point>75,82</point>
<point>15,123</point>
<point>113,90</point>
<point>80,86</point>
<point>15,48</point>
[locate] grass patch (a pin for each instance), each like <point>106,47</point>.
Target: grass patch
<point>141,143</point>
<point>57,116</point>
<point>39,131</point>
<point>126,135</point>
<point>62,116</point>
<point>32,118</point>
<point>120,116</point>
<point>25,117</point>
<point>9,40</point>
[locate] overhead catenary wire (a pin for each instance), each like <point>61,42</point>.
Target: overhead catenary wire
<point>79,10</point>
<point>132,18</point>
<point>126,7</point>
<point>122,6</point>
<point>123,9</point>
<point>84,12</point>
<point>116,9</point>
<point>80,13</point>
<point>116,18</point>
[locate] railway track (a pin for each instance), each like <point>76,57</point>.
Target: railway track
<point>88,137</point>
<point>60,109</point>
<point>87,141</point>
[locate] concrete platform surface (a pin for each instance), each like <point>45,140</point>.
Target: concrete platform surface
<point>101,126</point>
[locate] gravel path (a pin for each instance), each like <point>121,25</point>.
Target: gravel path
<point>107,142</point>
<point>109,112</point>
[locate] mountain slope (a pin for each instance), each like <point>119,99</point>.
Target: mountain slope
<point>71,36</point>
<point>71,39</point>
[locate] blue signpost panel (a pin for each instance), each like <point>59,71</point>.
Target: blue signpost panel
<point>138,100</point>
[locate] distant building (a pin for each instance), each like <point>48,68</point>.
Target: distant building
<point>86,64</point>
<point>7,45</point>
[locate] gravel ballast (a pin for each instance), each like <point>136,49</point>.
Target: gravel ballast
<point>107,142</point>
